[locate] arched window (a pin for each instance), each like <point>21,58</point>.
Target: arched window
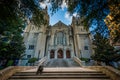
<point>59,38</point>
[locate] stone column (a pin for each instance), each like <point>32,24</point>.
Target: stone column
<point>72,53</point>
<point>52,38</point>
<point>64,53</point>
<point>43,41</point>
<point>37,47</point>
<point>64,40</point>
<point>55,40</point>
<point>78,46</point>
<point>48,54</point>
<point>67,39</point>
<point>55,54</point>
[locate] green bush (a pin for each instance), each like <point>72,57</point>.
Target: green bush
<point>10,63</point>
<point>32,60</point>
<point>85,59</point>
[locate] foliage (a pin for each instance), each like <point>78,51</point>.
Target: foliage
<point>103,50</point>
<point>85,59</point>
<point>10,63</point>
<point>11,27</point>
<point>113,21</point>
<point>32,60</point>
<point>32,11</point>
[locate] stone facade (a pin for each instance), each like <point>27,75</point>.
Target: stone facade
<point>59,41</point>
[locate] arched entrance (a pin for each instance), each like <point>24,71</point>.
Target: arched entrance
<point>60,53</point>
<point>52,53</point>
<point>68,55</point>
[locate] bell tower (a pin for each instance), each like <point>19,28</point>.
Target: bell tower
<point>82,43</point>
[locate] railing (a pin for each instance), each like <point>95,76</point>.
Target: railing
<point>76,59</point>
<point>41,61</point>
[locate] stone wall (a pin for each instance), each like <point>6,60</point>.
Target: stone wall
<point>9,71</point>
<point>113,73</point>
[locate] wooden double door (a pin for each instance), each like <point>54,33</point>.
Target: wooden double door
<point>60,54</point>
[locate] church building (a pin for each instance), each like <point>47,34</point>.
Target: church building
<point>59,41</point>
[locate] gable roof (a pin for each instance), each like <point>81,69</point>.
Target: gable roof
<point>60,24</point>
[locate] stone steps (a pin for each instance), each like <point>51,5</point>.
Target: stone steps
<point>61,63</point>
<point>60,79</point>
<point>60,74</point>
<point>57,73</point>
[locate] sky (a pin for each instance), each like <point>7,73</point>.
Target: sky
<point>61,15</point>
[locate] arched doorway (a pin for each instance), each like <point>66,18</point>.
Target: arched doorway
<point>52,52</point>
<point>60,53</point>
<point>68,55</point>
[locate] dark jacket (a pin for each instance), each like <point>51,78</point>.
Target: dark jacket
<point>40,69</point>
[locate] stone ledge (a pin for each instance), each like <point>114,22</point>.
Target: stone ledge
<point>113,73</point>
<point>9,71</point>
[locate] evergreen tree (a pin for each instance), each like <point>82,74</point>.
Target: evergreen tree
<point>11,29</point>
<point>104,52</point>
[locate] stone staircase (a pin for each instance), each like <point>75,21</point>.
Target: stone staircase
<point>74,73</point>
<point>61,63</point>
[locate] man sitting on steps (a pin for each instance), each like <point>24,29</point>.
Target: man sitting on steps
<point>39,70</point>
